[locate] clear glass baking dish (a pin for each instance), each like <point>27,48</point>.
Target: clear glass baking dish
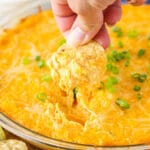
<point>7,20</point>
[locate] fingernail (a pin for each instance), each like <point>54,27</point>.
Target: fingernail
<point>76,37</point>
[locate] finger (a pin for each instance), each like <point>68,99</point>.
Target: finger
<point>84,30</point>
<point>88,23</point>
<point>63,14</point>
<point>136,2</point>
<point>113,13</point>
<point>60,9</point>
<point>102,37</point>
<point>87,14</point>
<point>101,4</point>
<point>65,23</point>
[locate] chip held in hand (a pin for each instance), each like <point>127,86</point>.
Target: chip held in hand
<point>82,66</point>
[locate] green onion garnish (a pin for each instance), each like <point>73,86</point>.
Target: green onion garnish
<point>41,97</point>
<point>120,44</point>
<point>111,81</point>
<point>139,96</point>
<point>41,64</point>
<point>109,66</point>
<point>26,61</point>
<point>112,68</point>
<point>38,58</point>
<point>136,88</point>
<point>75,91</point>
<point>139,77</point>
<point>141,52</point>
<point>101,85</point>
<point>116,56</point>
<point>132,34</point>
<point>46,78</point>
<point>61,42</point>
<point>122,103</point>
<point>118,31</point>
<point>127,63</point>
<point>148,70</point>
<point>115,70</point>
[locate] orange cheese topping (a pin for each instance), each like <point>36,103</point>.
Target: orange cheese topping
<point>29,95</point>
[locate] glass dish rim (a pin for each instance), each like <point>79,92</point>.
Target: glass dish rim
<point>47,142</point>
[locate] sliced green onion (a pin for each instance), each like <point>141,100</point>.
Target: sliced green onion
<point>26,61</point>
<point>101,85</point>
<point>115,70</point>
<point>41,97</point>
<point>148,70</point>
<point>38,58</point>
<point>112,68</point>
<point>139,96</point>
<point>109,66</point>
<point>141,52</point>
<point>61,42</point>
<point>41,63</point>
<point>143,77</point>
<point>135,75</point>
<point>136,88</point>
<point>75,91</point>
<point>132,34</point>
<point>111,81</point>
<point>127,63</point>
<point>46,78</point>
<point>116,56</point>
<point>118,31</point>
<point>120,44</point>
<point>127,54</point>
<point>139,77</point>
<point>122,103</point>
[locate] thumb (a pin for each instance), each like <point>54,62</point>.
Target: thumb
<point>88,22</point>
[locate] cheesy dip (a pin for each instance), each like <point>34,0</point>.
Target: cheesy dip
<point>84,95</point>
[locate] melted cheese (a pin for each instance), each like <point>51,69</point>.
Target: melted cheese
<point>96,119</point>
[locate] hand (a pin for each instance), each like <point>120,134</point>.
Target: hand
<point>83,20</point>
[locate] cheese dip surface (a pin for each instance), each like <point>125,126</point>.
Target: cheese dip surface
<point>110,106</point>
